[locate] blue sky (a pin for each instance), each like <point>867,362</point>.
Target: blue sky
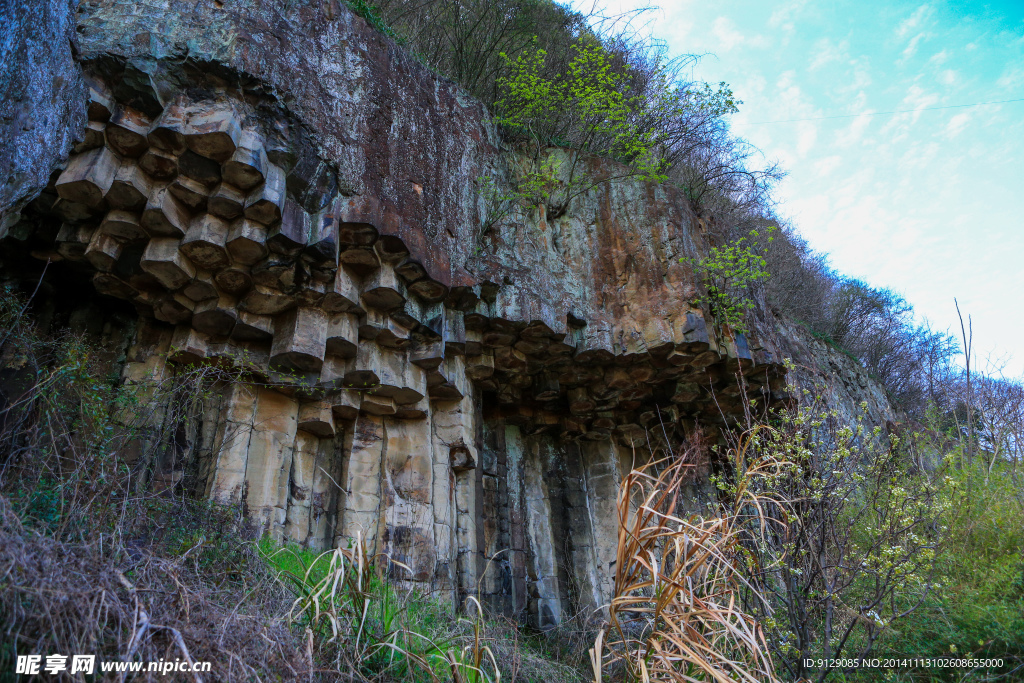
<point>929,204</point>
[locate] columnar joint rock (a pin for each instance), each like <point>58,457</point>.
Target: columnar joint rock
<point>472,432</point>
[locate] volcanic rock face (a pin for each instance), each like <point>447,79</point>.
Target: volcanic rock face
<point>281,193</point>
<point>41,110</point>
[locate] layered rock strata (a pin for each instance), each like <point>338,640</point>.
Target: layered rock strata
<point>466,405</point>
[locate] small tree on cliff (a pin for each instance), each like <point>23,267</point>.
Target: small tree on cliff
<point>593,106</point>
<point>728,274</point>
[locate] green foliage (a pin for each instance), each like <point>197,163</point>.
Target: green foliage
<point>977,607</point>
<point>728,274</point>
<point>592,106</point>
<point>374,18</point>
<point>590,95</point>
<point>356,613</point>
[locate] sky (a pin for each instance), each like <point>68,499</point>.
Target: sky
<point>929,204</point>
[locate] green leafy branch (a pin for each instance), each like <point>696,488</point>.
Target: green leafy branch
<point>498,201</point>
<point>586,106</point>
<point>728,273</point>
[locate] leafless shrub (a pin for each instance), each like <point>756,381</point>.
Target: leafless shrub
<point>464,39</point>
<point>77,597</point>
<point>874,325</point>
<point>98,557</point>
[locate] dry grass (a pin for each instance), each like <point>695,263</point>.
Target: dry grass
<point>134,602</point>
<point>92,560</point>
<point>675,614</point>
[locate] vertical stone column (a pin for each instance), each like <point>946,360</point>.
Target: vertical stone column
<point>443,503</point>
<point>498,590</point>
<point>544,590</point>
<point>467,560</point>
<point>408,479</point>
<point>271,447</point>
<point>361,478</point>
<point>603,475</point>
<point>300,493</point>
<point>205,457</point>
<point>327,506</point>
<point>456,458</point>
<point>144,369</point>
<point>517,516</point>
<point>579,547</point>
<point>231,444</point>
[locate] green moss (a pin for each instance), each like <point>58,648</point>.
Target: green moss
<point>373,17</point>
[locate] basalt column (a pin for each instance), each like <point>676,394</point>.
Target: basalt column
<point>373,371</point>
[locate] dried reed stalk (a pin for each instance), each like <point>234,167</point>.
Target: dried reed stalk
<point>675,614</point>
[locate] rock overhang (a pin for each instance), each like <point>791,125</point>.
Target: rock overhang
<point>284,193</point>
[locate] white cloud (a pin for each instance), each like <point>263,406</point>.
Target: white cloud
<point>957,124</point>
<point>859,79</point>
<point>806,138</point>
<point>812,210</point>
<point>675,23</point>
<point>826,165</point>
<point>918,157</point>
<point>917,98</point>
<point>911,49</point>
<point>784,17</point>
<point>853,134</point>
<point>827,52</point>
<point>727,36</point>
<point>791,101</point>
<point>899,125</point>
<point>1012,78</point>
<point>914,21</point>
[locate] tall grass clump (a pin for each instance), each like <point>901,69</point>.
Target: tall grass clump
<point>676,612</point>
<point>357,620</point>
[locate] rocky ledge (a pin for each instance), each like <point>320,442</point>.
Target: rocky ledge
<point>280,191</point>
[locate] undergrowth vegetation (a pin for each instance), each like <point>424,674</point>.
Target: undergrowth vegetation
<point>356,618</point>
<point>816,539</point>
<point>867,544</point>
<point>96,557</point>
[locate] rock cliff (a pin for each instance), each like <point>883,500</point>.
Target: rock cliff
<point>277,189</point>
